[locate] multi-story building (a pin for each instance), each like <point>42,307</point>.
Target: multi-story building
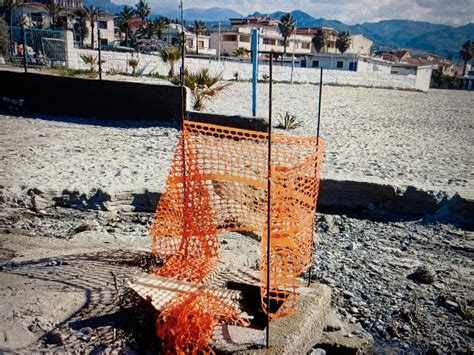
<point>68,15</point>
<point>173,32</point>
<point>238,35</point>
<point>359,44</point>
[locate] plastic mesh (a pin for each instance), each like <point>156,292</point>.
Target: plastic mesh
<point>218,183</point>
<point>186,323</point>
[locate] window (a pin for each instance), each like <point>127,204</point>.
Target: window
<point>190,43</point>
<point>315,63</point>
<point>36,17</point>
<point>201,44</point>
<point>103,25</point>
<point>269,41</point>
<point>244,38</point>
<point>104,42</point>
<point>306,45</point>
<point>340,64</point>
<point>230,38</point>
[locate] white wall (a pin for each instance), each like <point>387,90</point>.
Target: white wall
<point>153,64</point>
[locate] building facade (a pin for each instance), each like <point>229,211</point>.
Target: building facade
<point>70,15</point>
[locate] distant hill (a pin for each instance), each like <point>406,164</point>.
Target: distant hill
<point>396,34</point>
<point>387,35</point>
<point>105,5</point>
<point>448,40</point>
<point>207,15</point>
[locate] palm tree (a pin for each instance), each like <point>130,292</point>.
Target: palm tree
<point>286,27</point>
<point>10,4</point>
<point>147,31</point>
<point>124,17</point>
<point>203,85</point>
<point>466,53</point>
<point>171,55</point>
<point>53,10</point>
<point>161,24</point>
<point>240,52</point>
<point>319,40</point>
<point>93,13</point>
<point>142,9</point>
<point>343,41</point>
<point>198,28</point>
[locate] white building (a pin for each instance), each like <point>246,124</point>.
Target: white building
<point>240,33</point>
<point>70,14</point>
<point>173,32</point>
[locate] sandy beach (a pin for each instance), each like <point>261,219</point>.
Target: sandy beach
<point>69,266</point>
<point>390,137</point>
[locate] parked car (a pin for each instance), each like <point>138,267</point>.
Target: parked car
<point>150,46</point>
<point>116,46</point>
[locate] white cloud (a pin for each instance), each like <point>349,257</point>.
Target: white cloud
<point>454,12</point>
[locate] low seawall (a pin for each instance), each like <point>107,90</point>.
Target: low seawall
<point>104,99</point>
<point>363,199</point>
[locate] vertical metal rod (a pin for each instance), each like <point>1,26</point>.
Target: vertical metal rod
<point>317,143</point>
<point>99,46</point>
<point>254,70</point>
<point>319,104</point>
<point>25,54</point>
<point>269,162</point>
<point>183,53</point>
<point>183,117</point>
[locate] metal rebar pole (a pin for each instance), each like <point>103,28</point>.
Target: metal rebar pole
<point>183,118</point>
<point>99,47</point>
<point>319,104</point>
<point>25,52</point>
<point>269,163</point>
<point>317,143</point>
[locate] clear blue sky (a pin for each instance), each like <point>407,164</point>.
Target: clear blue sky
<point>453,12</point>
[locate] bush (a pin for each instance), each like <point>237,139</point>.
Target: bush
<point>288,122</point>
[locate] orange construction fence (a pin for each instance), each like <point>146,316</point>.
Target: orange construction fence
<point>218,183</point>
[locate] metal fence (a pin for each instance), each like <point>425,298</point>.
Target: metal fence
<point>33,47</point>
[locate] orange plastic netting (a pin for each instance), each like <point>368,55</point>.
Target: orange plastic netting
<point>218,183</point>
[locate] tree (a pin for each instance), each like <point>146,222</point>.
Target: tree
<point>319,40</point>
<point>124,17</point>
<point>10,4</point>
<point>171,55</point>
<point>198,28</point>
<point>240,52</point>
<point>147,31</point>
<point>53,10</point>
<point>343,41</point>
<point>466,53</point>
<point>161,24</point>
<point>3,38</point>
<point>93,14</point>
<point>142,9</point>
<point>203,85</point>
<point>286,27</point>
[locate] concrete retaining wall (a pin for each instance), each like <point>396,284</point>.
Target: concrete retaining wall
<point>335,196</point>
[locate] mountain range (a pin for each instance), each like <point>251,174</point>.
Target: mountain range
<point>418,36</point>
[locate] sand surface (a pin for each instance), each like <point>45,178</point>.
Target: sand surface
<point>377,135</point>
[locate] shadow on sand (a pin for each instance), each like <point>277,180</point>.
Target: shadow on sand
<point>114,316</point>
